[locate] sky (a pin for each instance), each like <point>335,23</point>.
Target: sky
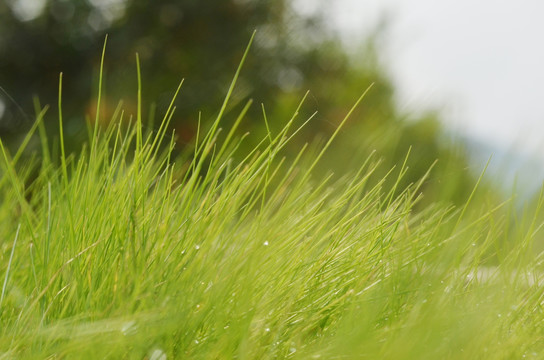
<point>480,62</point>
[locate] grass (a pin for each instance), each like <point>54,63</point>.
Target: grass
<point>127,251</point>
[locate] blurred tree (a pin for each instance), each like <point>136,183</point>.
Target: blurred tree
<point>202,41</point>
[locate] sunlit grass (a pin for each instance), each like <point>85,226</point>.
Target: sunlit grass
<point>126,251</point>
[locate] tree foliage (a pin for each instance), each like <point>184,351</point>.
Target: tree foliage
<point>203,41</point>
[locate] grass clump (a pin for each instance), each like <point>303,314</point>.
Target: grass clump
<point>126,251</point>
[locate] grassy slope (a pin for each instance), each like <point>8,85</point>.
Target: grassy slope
<point>124,252</point>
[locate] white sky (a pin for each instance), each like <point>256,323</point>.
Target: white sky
<point>480,61</point>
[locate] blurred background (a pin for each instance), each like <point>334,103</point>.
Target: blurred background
<point>479,63</point>
<point>453,80</point>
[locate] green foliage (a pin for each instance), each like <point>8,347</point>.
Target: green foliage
<point>124,250</point>
<point>201,41</point>
<point>198,40</point>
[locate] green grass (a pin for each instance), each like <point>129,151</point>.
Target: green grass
<point>127,251</point>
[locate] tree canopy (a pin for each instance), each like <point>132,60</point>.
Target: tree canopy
<point>203,41</point>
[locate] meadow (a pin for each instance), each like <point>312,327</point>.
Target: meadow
<point>130,249</point>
